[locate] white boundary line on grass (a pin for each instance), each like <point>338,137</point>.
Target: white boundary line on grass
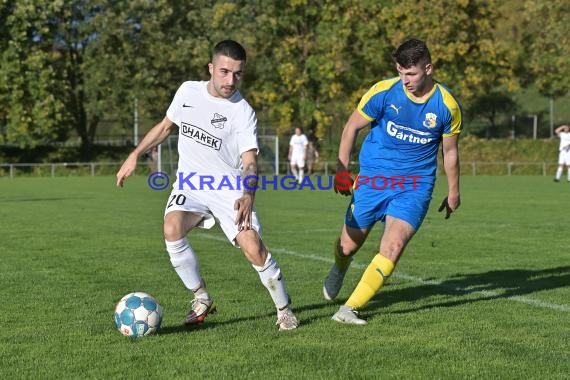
<point>485,293</point>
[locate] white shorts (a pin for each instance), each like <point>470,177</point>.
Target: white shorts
<point>564,157</point>
<point>212,205</point>
<point>298,160</point>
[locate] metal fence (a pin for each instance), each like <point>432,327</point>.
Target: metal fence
<point>55,169</point>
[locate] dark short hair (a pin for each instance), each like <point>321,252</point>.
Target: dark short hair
<point>411,52</point>
<point>229,48</point>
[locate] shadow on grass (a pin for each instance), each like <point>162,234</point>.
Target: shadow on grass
<point>212,323</point>
<point>469,288</point>
<point>462,289</point>
<point>209,324</point>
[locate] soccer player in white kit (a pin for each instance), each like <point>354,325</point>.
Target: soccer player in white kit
<point>298,154</point>
<point>217,177</point>
<point>564,151</point>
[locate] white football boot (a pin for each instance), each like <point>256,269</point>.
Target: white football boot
<point>348,315</point>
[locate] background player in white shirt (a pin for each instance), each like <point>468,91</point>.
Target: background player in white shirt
<point>564,151</point>
<point>217,139</point>
<point>298,153</point>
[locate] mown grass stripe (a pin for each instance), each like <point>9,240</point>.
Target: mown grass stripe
<point>418,280</point>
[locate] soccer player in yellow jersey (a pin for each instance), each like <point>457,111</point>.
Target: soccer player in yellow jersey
<point>409,117</point>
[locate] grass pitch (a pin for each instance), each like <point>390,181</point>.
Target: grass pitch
<point>484,294</point>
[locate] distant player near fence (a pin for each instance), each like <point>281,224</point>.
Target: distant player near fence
<point>563,132</point>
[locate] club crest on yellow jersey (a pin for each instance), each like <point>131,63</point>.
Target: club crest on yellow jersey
<point>430,120</point>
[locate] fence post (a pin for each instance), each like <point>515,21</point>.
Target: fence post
<point>509,168</point>
<point>92,169</point>
<point>11,170</point>
<point>277,155</point>
<point>53,170</point>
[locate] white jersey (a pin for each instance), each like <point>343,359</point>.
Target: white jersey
<point>564,141</point>
<point>298,142</point>
<point>213,132</point>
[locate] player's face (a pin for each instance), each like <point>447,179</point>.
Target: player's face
<point>416,79</point>
<point>225,74</point>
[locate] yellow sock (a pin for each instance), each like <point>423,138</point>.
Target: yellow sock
<point>342,262</point>
<point>371,282</point>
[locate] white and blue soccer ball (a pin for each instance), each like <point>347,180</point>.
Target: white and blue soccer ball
<point>138,314</point>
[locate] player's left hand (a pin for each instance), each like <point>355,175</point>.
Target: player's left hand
<point>244,208</point>
<point>449,204</point>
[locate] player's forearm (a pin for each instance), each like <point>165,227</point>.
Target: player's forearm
<point>355,123</point>
<point>250,178</point>
<point>345,148</point>
<point>451,167</point>
<point>154,137</point>
<point>450,150</point>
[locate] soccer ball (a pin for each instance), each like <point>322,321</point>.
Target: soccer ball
<point>138,314</point>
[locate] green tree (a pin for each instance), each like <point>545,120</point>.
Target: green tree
<point>318,57</point>
<point>305,58</point>
<point>546,47</point>
<point>144,50</point>
<point>491,107</point>
<point>68,65</point>
<point>31,74</point>
<point>460,33</point>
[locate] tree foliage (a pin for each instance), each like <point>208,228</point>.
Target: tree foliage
<point>467,56</point>
<point>32,73</point>
<point>546,46</point>
<point>68,65</point>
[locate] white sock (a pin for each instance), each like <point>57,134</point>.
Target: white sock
<point>186,265</point>
<point>301,174</point>
<point>569,174</point>
<point>271,278</point>
<point>559,173</point>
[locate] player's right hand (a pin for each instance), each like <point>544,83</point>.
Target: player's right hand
<point>343,183</point>
<point>126,170</point>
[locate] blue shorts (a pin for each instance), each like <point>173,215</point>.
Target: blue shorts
<point>398,197</point>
